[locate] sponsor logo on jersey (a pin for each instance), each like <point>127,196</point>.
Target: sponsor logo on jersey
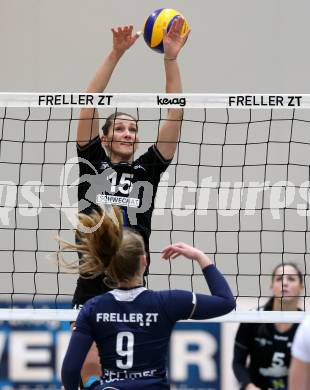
<point>104,165</point>
<point>281,338</point>
<point>144,319</point>
<point>274,371</point>
<point>117,200</point>
<point>111,376</point>
<point>262,342</point>
<point>138,166</point>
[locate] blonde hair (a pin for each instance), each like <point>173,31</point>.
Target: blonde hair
<point>109,250</point>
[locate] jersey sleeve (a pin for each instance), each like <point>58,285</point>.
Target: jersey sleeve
<point>184,304</point>
<point>91,152</point>
<point>78,348</point>
<point>301,343</point>
<point>242,347</point>
<point>79,345</point>
<point>178,304</point>
<point>244,336</point>
<point>154,163</point>
<point>220,302</point>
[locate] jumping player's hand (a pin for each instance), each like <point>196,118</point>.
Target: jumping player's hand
<point>123,38</point>
<point>175,250</point>
<point>173,39</point>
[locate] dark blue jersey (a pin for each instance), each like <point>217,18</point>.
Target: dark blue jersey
<point>132,328</point>
<point>132,186</point>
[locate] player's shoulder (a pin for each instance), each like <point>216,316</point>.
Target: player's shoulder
<point>142,162</point>
<point>93,143</point>
<point>150,157</point>
<point>93,150</point>
<point>249,329</point>
<point>94,302</point>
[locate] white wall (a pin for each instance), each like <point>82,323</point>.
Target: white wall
<point>235,46</point>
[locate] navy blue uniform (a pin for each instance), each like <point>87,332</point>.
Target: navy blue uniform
<point>132,186</point>
<point>132,328</point>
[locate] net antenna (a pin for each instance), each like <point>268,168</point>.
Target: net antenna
<point>238,188</point>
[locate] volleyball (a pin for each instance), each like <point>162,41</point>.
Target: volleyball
<point>160,20</point>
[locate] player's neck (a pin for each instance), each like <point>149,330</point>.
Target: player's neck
<point>283,305</point>
<point>116,158</point>
<point>132,283</point>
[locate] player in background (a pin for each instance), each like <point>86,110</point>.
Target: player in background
<point>268,346</point>
<point>130,324</point>
<point>109,172</point>
<point>299,372</point>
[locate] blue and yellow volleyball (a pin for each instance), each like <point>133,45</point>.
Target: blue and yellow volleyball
<point>160,20</point>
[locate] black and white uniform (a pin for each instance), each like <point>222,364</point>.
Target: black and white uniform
<point>269,351</point>
<point>132,186</point>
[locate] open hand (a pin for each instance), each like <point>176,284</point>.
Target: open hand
<point>173,39</point>
<point>123,38</point>
<point>175,250</point>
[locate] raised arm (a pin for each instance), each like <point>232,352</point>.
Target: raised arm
<point>88,125</point>
<point>169,131</point>
<point>221,300</point>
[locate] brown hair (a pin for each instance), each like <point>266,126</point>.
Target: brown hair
<point>270,302</point>
<point>108,249</point>
<point>291,264</point>
<point>111,119</point>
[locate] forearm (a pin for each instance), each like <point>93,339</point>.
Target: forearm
<point>217,283</point>
<point>239,367</point>
<point>77,350</point>
<point>202,259</point>
<point>221,302</point>
<point>88,126</point>
<point>173,85</point>
<point>104,73</point>
<point>70,379</point>
<point>173,76</point>
<point>241,374</point>
<point>89,123</point>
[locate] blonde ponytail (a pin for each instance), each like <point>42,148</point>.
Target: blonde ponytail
<point>107,249</point>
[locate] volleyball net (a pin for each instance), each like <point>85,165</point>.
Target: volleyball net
<point>237,188</point>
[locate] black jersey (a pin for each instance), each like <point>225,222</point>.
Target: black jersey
<point>132,186</point>
<point>269,351</point>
